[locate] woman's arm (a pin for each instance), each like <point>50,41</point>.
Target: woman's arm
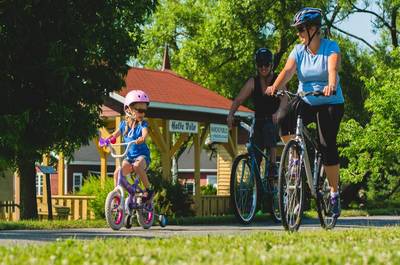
<point>282,104</point>
<point>244,93</point>
<point>283,78</point>
<point>333,69</point>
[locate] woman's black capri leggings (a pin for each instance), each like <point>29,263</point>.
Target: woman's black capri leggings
<point>328,118</point>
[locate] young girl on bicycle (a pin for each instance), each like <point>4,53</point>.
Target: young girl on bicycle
<point>134,128</point>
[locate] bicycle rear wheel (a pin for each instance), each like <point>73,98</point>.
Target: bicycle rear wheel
<point>274,210</point>
<point>244,189</point>
<point>291,184</point>
<point>324,207</point>
<point>145,215</point>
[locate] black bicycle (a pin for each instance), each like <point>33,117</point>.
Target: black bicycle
<point>295,171</point>
<point>252,183</point>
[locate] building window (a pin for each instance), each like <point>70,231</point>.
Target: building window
<point>189,187</point>
<point>212,180</point>
<point>76,182</point>
<point>39,183</point>
<point>98,173</point>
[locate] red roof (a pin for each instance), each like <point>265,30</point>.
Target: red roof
<point>108,112</point>
<point>168,87</point>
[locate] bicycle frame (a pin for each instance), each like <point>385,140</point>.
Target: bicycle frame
<point>302,133</point>
<point>252,149</point>
<point>135,185</point>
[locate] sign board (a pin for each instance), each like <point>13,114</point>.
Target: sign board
<point>183,126</point>
<point>219,133</point>
<point>47,170</point>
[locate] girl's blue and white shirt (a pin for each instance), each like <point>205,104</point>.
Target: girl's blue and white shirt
<point>132,134</point>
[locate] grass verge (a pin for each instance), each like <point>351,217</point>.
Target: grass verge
<point>356,246</point>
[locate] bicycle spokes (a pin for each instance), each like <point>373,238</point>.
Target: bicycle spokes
<point>245,187</point>
<point>116,211</point>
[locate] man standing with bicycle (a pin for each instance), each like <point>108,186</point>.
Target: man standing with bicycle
<point>266,107</point>
<point>316,61</point>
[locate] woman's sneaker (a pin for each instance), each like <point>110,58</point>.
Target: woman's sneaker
<point>335,204</point>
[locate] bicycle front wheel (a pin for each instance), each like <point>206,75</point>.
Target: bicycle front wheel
<point>291,186</point>
<point>114,210</point>
<point>244,189</point>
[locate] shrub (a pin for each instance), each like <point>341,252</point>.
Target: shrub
<point>170,199</point>
<point>208,190</point>
<point>92,187</point>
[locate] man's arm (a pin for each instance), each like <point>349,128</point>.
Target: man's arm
<point>244,94</point>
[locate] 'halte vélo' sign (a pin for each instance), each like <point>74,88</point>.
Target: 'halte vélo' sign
<point>183,126</point>
<point>219,133</point>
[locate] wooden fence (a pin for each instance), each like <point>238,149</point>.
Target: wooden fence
<point>8,210</point>
<point>78,205</point>
<point>215,205</point>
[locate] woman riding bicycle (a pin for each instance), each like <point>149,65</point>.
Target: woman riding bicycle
<point>316,61</point>
<point>266,107</point>
<point>134,128</point>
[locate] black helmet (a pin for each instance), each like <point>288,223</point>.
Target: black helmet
<point>308,16</point>
<point>263,57</point>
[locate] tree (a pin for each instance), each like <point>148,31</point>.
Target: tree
<point>213,42</point>
<point>59,60</point>
<point>386,20</point>
<point>356,64</point>
<point>372,149</point>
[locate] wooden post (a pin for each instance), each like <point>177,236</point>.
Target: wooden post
<point>60,173</point>
<point>103,152</point>
<point>118,148</point>
<point>162,140</point>
<point>48,192</point>
<point>197,196</point>
<point>103,168</point>
<point>47,189</point>
<point>45,162</point>
<point>166,158</point>
<point>17,195</point>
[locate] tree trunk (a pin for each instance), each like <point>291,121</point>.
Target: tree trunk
<point>393,29</point>
<point>26,166</point>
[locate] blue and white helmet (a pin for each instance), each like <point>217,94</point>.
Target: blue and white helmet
<point>308,16</point>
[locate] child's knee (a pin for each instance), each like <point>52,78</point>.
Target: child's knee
<point>126,169</point>
<point>134,166</point>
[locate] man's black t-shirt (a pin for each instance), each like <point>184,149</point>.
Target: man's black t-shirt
<point>264,105</point>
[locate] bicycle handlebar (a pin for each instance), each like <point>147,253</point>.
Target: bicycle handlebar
<point>107,142</point>
<point>301,93</point>
<point>245,126</point>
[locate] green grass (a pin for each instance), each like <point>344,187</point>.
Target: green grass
<point>358,212</point>
<point>55,224</point>
<point>356,246</point>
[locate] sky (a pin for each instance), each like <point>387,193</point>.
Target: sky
<point>360,24</point>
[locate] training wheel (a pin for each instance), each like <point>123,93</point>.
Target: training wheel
<point>163,220</point>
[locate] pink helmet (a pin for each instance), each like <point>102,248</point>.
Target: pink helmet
<point>136,96</point>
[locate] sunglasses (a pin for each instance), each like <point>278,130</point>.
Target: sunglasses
<point>140,110</point>
<point>263,65</point>
<point>301,29</point>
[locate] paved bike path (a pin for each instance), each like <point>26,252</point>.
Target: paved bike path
<point>11,237</point>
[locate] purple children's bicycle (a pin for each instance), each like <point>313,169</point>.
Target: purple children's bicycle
<point>119,211</point>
